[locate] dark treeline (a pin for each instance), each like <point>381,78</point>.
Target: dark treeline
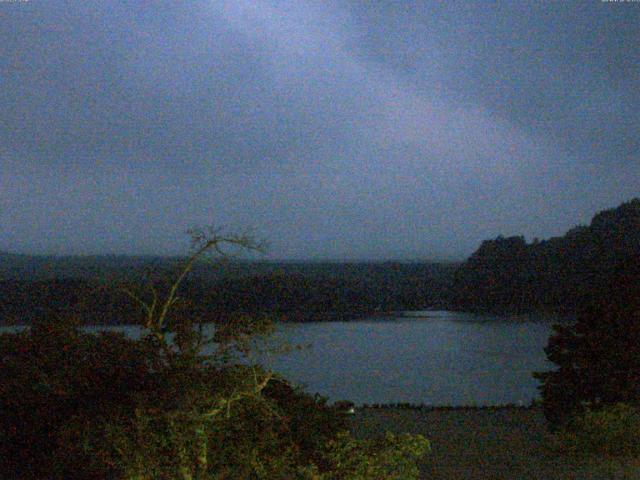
<point>289,291</point>
<point>556,275</point>
<point>24,302</point>
<point>505,275</point>
<point>358,289</point>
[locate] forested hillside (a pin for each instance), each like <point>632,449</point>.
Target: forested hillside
<point>559,274</point>
<point>288,291</point>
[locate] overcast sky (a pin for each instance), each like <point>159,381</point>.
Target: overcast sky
<point>337,130</point>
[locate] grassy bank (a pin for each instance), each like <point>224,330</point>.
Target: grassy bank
<point>504,443</point>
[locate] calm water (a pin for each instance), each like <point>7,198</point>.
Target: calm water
<point>447,358</point>
<point>437,358</point>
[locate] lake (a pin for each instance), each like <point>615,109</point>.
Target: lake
<point>434,358</point>
<point>445,358</point>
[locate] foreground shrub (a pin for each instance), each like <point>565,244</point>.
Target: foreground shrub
<point>612,430</point>
<point>54,379</point>
<point>597,357</point>
<point>81,406</point>
<point>389,458</point>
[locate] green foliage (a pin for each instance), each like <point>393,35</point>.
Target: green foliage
<point>611,430</point>
<point>75,405</point>
<point>390,458</point>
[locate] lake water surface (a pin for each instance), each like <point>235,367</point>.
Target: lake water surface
<point>445,358</point>
<point>435,358</point>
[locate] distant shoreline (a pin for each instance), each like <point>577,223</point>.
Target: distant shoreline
<point>447,408</point>
<point>391,315</point>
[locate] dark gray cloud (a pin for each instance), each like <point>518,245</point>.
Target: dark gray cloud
<point>336,129</point>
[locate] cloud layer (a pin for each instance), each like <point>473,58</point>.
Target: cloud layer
<point>336,129</point>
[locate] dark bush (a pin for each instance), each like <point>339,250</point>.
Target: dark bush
<point>598,357</point>
<point>54,378</point>
<point>611,430</point>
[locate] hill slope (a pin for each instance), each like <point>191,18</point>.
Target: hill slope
<point>509,274</point>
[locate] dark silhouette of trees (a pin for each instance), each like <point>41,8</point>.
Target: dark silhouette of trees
<point>295,292</point>
<point>598,357</point>
<point>496,276</point>
<point>559,274</point>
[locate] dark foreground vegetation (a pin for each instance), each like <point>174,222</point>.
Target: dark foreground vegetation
<point>80,406</point>
<point>597,357</point>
